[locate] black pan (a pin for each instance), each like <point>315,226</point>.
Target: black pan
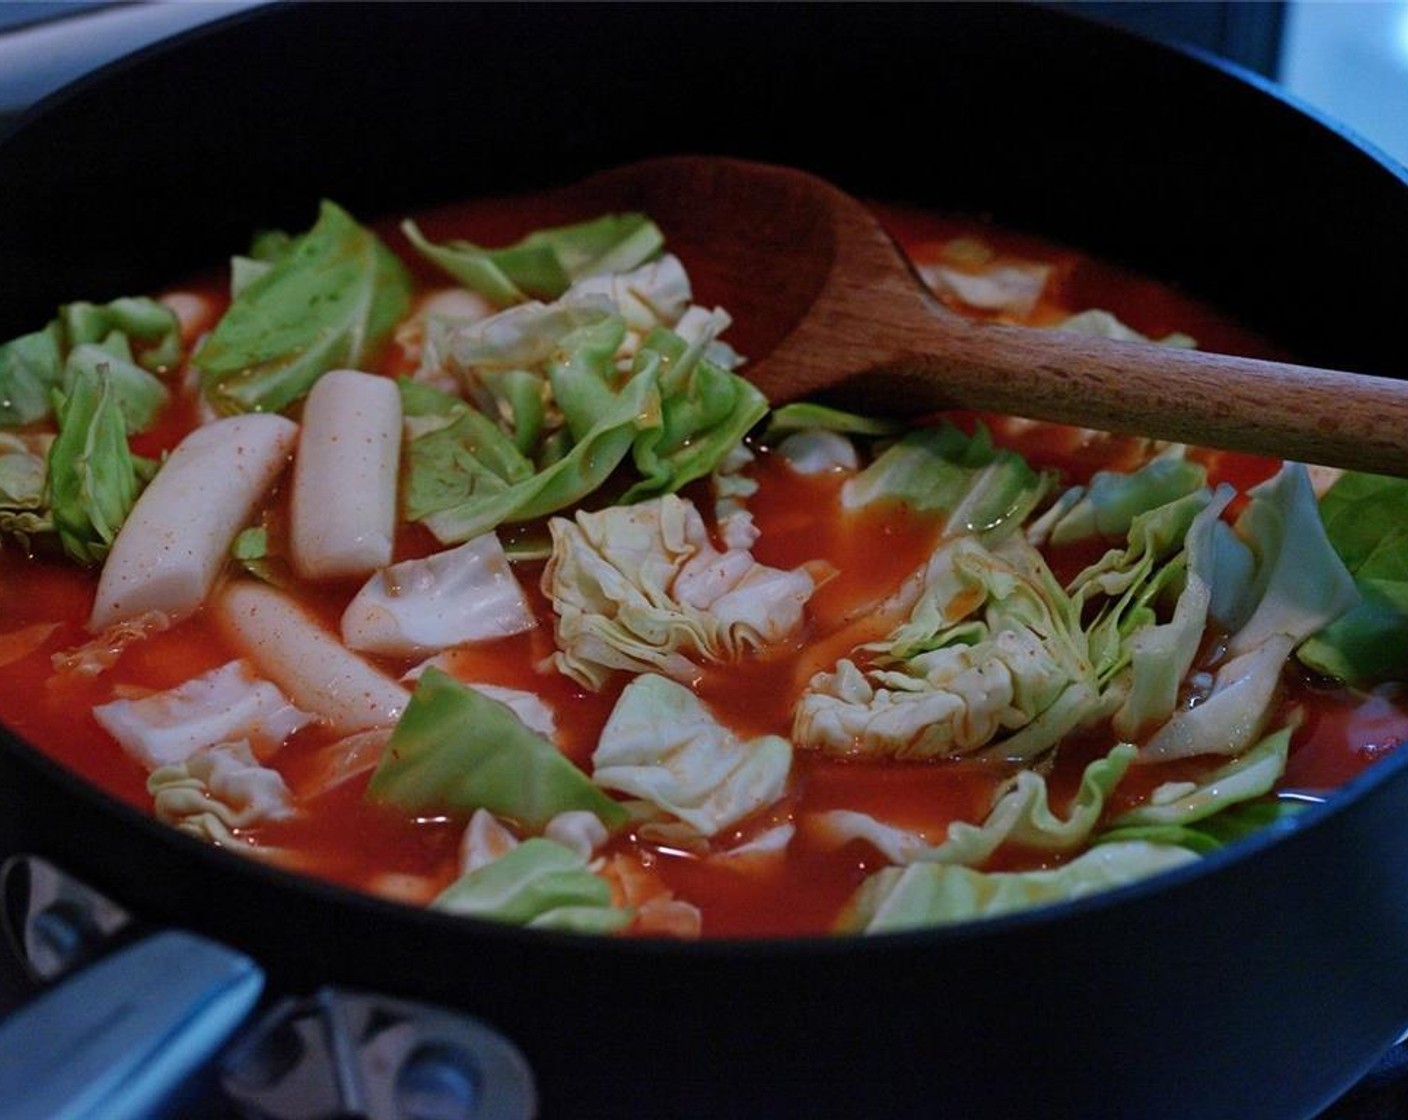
<point>1260,983</point>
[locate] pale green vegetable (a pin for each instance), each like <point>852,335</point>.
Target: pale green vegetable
<point>1251,774</point>
<point>992,658</point>
<point>462,594</point>
<point>218,790</point>
<point>24,513</point>
<point>981,489</point>
<point>544,264</point>
<point>538,883</point>
<point>804,416</point>
<point>704,412</point>
<point>1112,501</point>
<point>1143,661</point>
<point>1021,815</point>
<point>327,303</point>
<point>31,367</point>
<point>93,479</point>
<point>140,396</point>
<point>134,335</point>
<point>1366,520</point>
<point>662,744</point>
<point>642,588</point>
<point>458,750</point>
<point>1297,586</point>
<point>555,414</point>
<point>468,479</point>
<point>932,894</point>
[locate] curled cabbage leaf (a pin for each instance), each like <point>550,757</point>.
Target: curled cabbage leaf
<point>1252,774</point>
<point>139,335</point>
<point>981,489</point>
<point>643,588</point>
<point>935,894</point>
<point>538,883</point>
<point>992,658</point>
<point>1112,501</point>
<point>1022,816</point>
<point>545,262</point>
<point>1297,585</point>
<point>218,790</point>
<point>661,743</point>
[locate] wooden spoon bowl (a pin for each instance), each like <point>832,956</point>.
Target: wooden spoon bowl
<point>839,315</point>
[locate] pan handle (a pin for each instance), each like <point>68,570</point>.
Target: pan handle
<point>135,1023</point>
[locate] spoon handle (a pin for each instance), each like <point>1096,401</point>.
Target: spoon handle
<point>1285,411</point>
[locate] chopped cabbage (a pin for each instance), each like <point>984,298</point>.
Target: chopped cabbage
<point>220,706</point>
<point>1021,816</point>
<point>538,883</point>
<point>642,588</point>
<point>1112,501</point>
<point>992,658</point>
<point>1366,519</point>
<point>981,489</point>
<point>1298,585</point>
<point>816,451</point>
<point>1250,775</point>
<point>329,298</point>
<point>93,478</point>
<point>463,594</point>
<point>457,750</point>
<point>1013,288</point>
<point>1142,660</point>
<point>137,334</point>
<point>217,790</point>
<point>544,264</point>
<point>934,894</point>
<point>558,396</point>
<point>24,512</point>
<point>661,743</point>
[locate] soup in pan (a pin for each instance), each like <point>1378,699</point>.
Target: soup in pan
<point>482,579</point>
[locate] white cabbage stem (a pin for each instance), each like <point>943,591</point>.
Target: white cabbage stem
<point>343,511</point>
<point>316,671</point>
<point>178,535</point>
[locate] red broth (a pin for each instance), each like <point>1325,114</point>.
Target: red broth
<point>339,835</point>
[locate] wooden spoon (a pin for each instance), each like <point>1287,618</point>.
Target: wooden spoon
<point>845,319</point>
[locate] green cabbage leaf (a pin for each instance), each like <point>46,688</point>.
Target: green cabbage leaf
<point>1294,586</point>
<point>933,894</point>
<point>1366,519</point>
<point>991,659</point>
<point>981,489</point>
<point>1021,816</point>
<point>134,337</point>
<point>546,262</point>
<point>457,750</point>
<point>326,303</point>
<point>560,396</point>
<point>643,588</point>
<point>218,790</point>
<point>539,883</point>
<point>1109,505</point>
<point>93,479</point>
